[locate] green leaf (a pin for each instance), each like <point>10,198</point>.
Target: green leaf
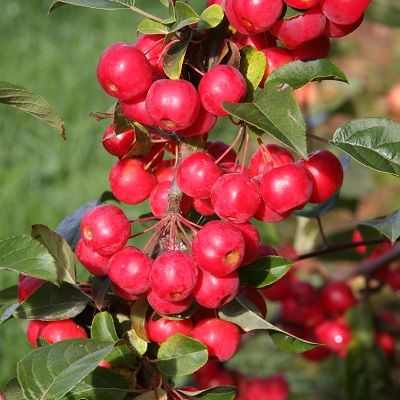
<point>184,15</point>
<point>150,27</point>
<point>12,391</point>
<point>299,73</point>
<point>388,226</point>
<point>138,344</point>
<point>165,3</point>
<point>150,395</point>
<point>274,111</point>
<point>241,312</point>
<point>52,303</point>
<point>252,66</point>
<point>181,355</point>
<point>211,17</point>
<point>264,271</point>
<point>8,313</point>
<point>214,393</point>
<point>173,59</point>
<point>8,294</point>
<point>374,142</point>
<point>138,317</point>
<point>32,104</point>
<point>59,249</point>
<point>21,253</point>
<point>49,372</point>
<point>97,4</point>
<point>101,384</point>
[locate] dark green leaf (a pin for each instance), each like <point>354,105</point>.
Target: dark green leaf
<point>100,286</point>
<point>299,73</point>
<point>173,59</point>
<point>264,271</point>
<point>138,317</point>
<point>59,249</point>
<point>101,384</point>
<point>275,111</point>
<point>317,210</point>
<point>8,294</point>
<point>385,12</point>
<point>181,355</point>
<point>31,103</point>
<point>52,303</point>
<point>215,393</point>
<point>242,312</point>
<point>184,15</point>
<point>98,4</point>
<point>374,142</point>
<point>12,391</point>
<point>150,27</point>
<point>388,226</point>
<point>252,66</point>
<point>23,254</point>
<point>48,373</point>
<point>211,17</point>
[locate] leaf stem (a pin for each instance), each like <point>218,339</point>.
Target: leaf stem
<point>147,15</point>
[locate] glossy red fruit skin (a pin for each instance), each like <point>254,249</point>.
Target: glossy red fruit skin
<point>221,377</point>
<point>222,83</point>
<point>302,4</point>
<point>57,331</point>
<point>235,197</point>
<point>254,16</point>
<point>203,206</point>
<point>196,175</point>
<point>276,57</point>
<point>357,237</point>
<point>327,173</point>
<point>32,331</point>
<point>337,297</point>
<point>136,111</point>
<point>118,145</point>
<point>105,229</point>
<point>164,171</point>
<point>287,188</point>
<point>124,72</point>
<point>394,279</point>
<point>217,148</point>
<point>203,124</point>
<point>279,290</point>
<point>155,154</point>
<point>173,104</point>
<point>333,30</point>
<point>267,157</point>
<point>95,263</point>
<point>129,269</point>
<point>295,31</point>
<point>275,387</point>
<point>302,314</point>
<point>168,307</point>
<point>344,12</point>
<point>266,214</point>
<point>317,354</point>
<point>316,48</point>
<point>213,292</point>
<point>334,334</point>
<point>130,182</point>
<point>124,294</point>
<point>259,41</point>
<point>159,330</point>
<point>251,238</point>
<point>304,292</point>
<point>222,338</point>
<point>27,285</point>
<point>173,275</point>
<point>218,248</point>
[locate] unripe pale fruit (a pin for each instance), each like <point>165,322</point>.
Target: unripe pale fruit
<point>136,111</point>
<point>327,173</point>
<point>129,269</point>
<point>173,104</point>
<point>57,331</point>
<point>159,330</point>
<point>124,72</point>
<point>130,182</point>
<point>173,275</point>
<point>222,83</point>
<point>287,188</point>
<point>213,292</point>
<point>32,331</point>
<point>218,248</point>
<point>168,307</point>
<point>118,145</point>
<point>196,175</point>
<point>95,263</point>
<point>105,229</point>
<point>235,197</point>
<point>344,12</point>
<point>337,297</point>
<point>222,338</point>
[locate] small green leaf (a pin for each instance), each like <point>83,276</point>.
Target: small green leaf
<point>173,59</point>
<point>49,372</point>
<point>9,294</point>
<point>23,254</point>
<point>299,73</point>
<point>164,3</point>
<point>264,271</point>
<point>184,15</point>
<point>252,66</point>
<point>211,17</point>
<point>138,317</point>
<point>59,249</point>
<point>97,4</point>
<point>139,345</point>
<point>374,142</point>
<point>8,313</point>
<point>12,391</point>
<point>150,27</point>
<point>31,103</point>
<point>214,393</point>
<point>388,226</point>
<point>52,303</point>
<point>181,355</point>
<point>241,312</point>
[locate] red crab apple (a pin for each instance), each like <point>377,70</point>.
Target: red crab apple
<point>32,331</point>
<point>275,387</point>
<point>173,104</point>
<point>344,12</point>
<point>118,144</point>
<point>316,48</point>
<point>337,31</point>
<point>335,334</point>
<point>394,279</point>
<point>217,148</point>
<point>164,171</point>
<point>203,206</point>
<point>251,238</point>
<point>203,124</point>
<point>130,182</point>
<point>387,343</point>
<point>301,4</point>
<point>337,297</point>
<point>27,285</point>
<point>222,83</point>
<point>267,157</point>
<point>159,330</point>
<point>124,294</point>
<point>105,229</point>
<point>95,263</point>
<point>136,111</point>
<point>259,41</point>
<point>222,338</point>
<point>124,72</point>
<point>168,307</point>
<point>57,331</point>
<point>276,57</point>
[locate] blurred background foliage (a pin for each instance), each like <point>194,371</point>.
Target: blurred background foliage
<point>43,178</point>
